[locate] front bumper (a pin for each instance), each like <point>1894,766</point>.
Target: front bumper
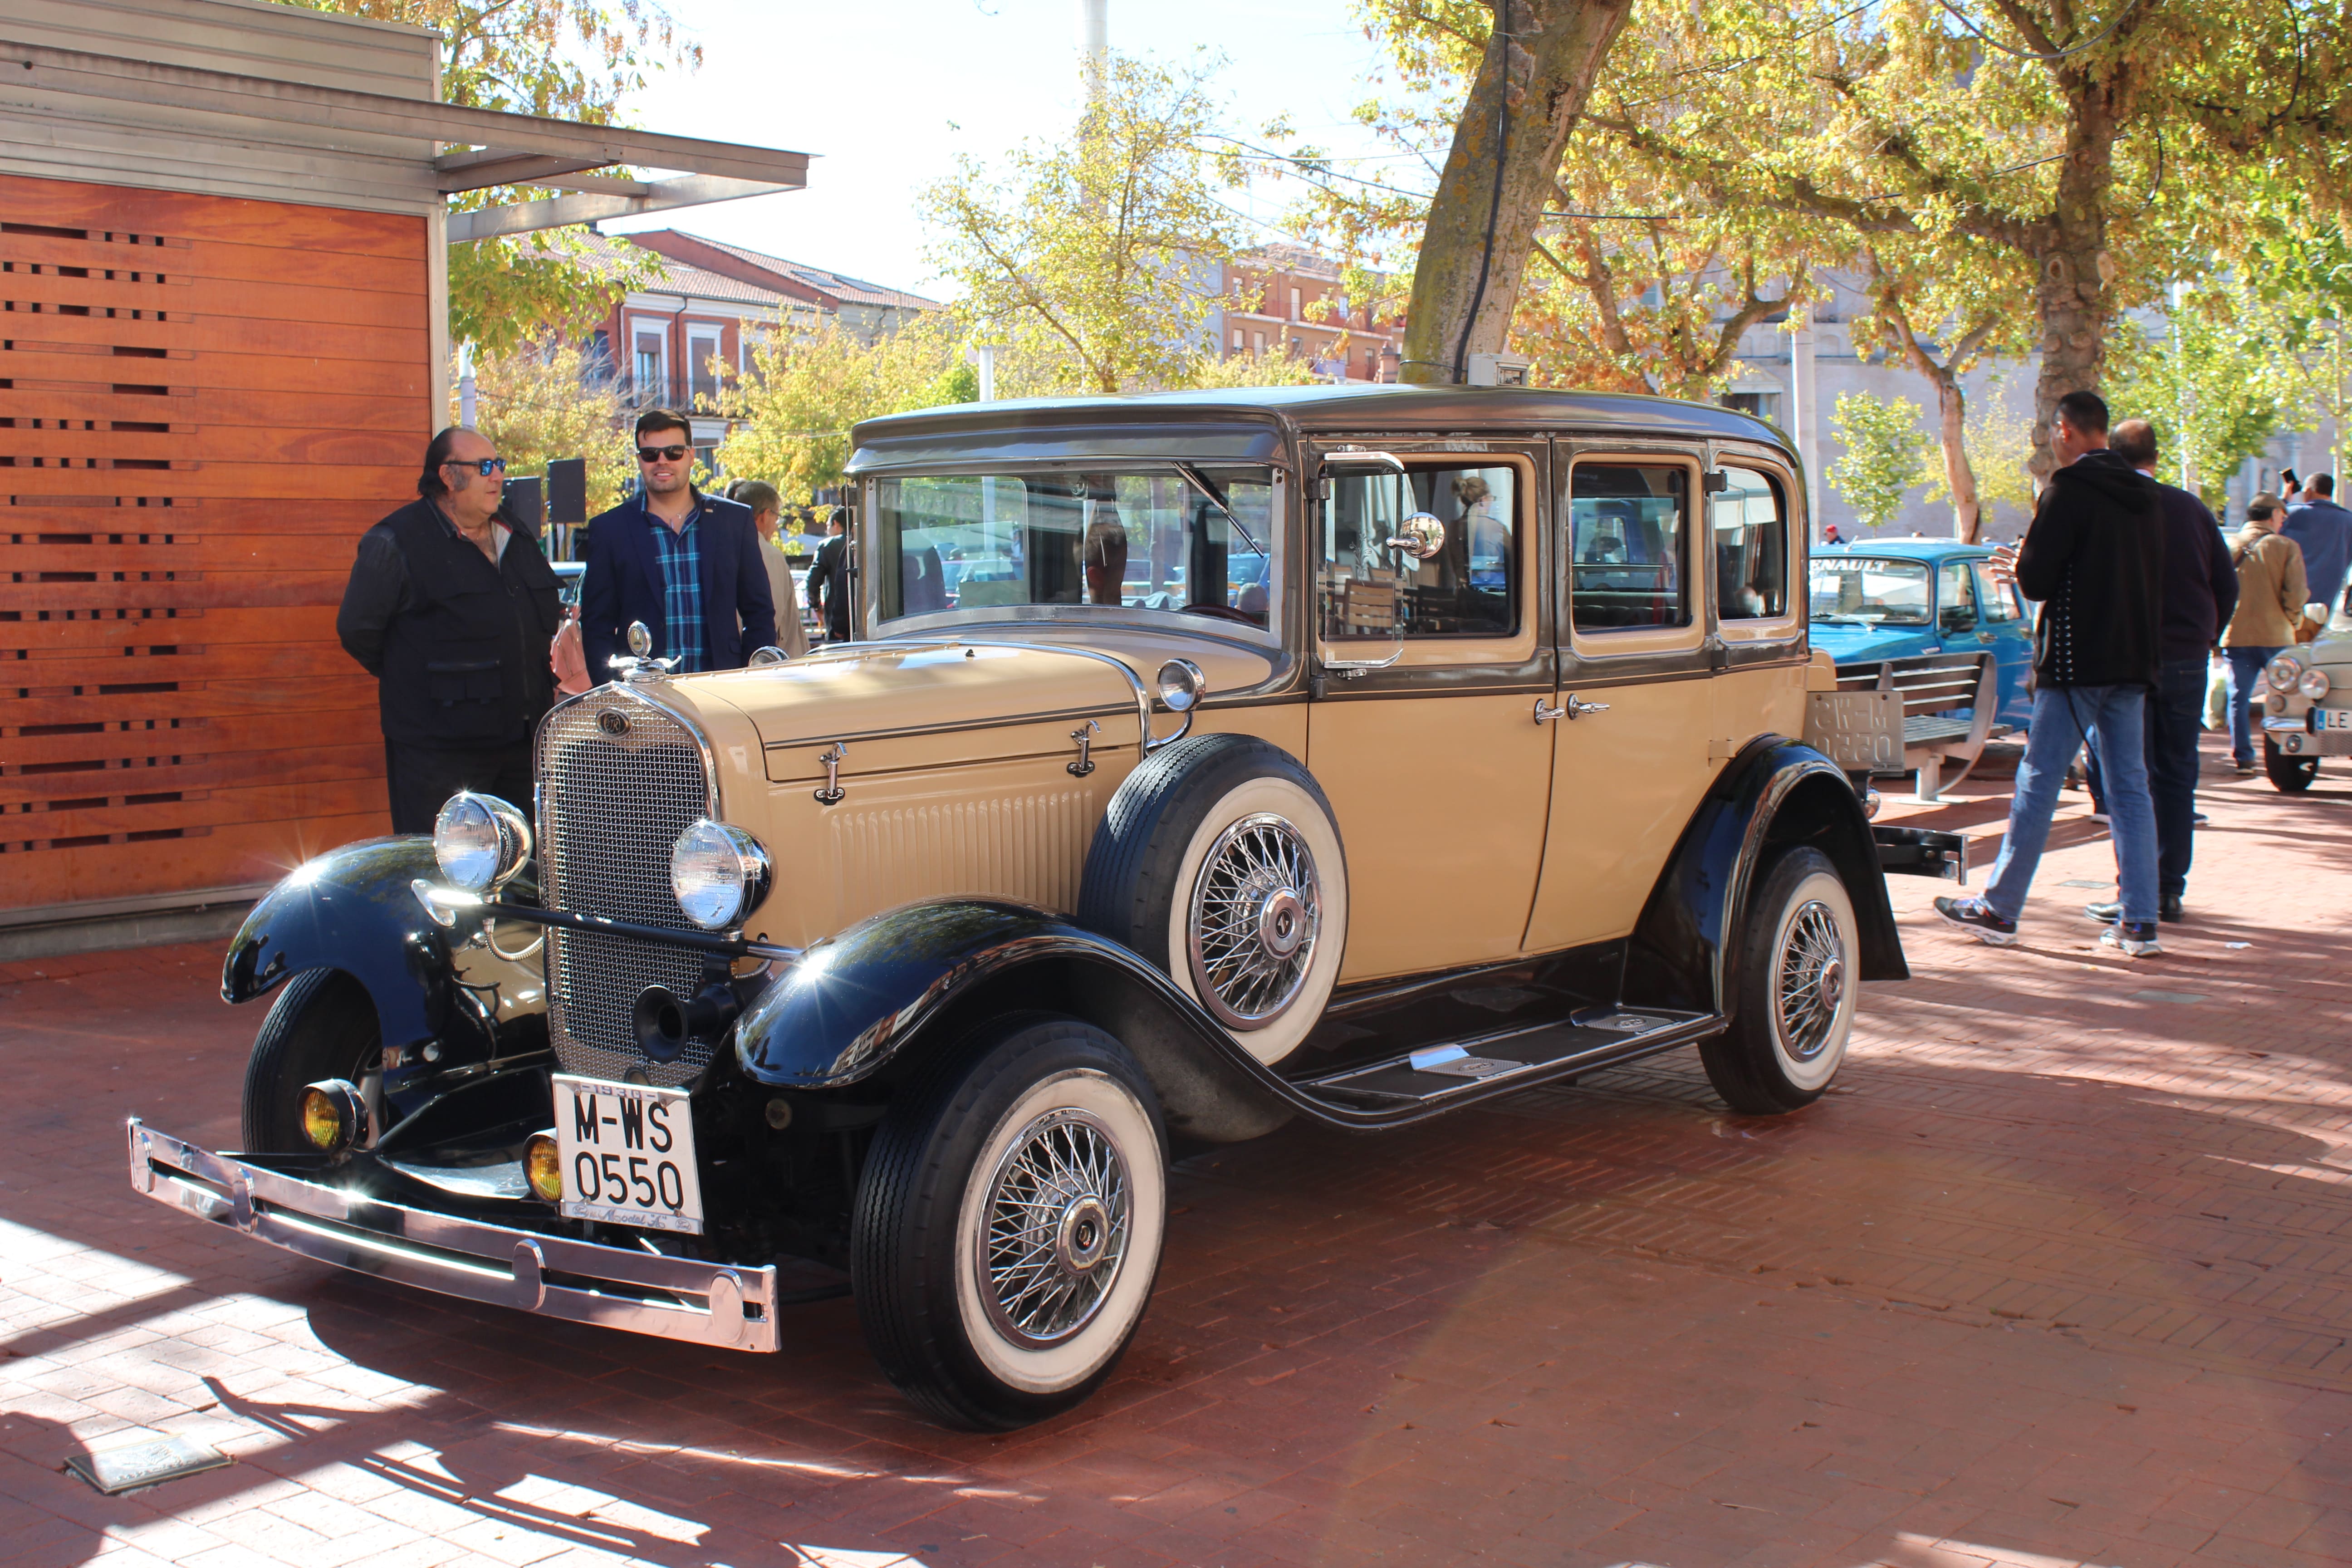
<point>616,1286</point>
<point>2296,738</point>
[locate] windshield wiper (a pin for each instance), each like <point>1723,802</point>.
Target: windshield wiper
<point>1202,483</point>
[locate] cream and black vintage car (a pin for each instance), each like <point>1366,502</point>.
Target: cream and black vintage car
<point>1351,754</point>
<point>2307,709</point>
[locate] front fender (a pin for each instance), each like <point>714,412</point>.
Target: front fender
<point>353,909</point>
<point>1775,793</point>
<point>852,1006</point>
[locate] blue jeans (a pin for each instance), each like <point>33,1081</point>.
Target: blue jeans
<point>2245,689</point>
<point>2063,717</point>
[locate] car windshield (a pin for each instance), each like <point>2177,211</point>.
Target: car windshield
<point>1875,590</point>
<point>1082,540</point>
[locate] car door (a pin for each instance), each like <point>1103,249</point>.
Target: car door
<point>1631,752</point>
<point>2010,634</point>
<point>1754,542</point>
<point>1421,730</point>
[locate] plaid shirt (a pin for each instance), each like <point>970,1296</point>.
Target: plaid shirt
<point>680,554</point>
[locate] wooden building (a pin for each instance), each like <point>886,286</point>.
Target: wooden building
<point>223,298</point>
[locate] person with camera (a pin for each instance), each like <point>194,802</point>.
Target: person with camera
<point>450,607</point>
<point>685,565</point>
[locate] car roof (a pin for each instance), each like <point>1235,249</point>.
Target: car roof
<point>1347,407</point>
<point>1918,549</point>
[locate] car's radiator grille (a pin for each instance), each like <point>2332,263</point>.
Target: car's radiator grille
<point>610,807</point>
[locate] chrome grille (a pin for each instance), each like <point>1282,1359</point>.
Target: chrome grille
<point>610,807</point>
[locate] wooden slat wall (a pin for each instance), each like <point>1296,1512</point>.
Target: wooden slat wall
<point>203,403</point>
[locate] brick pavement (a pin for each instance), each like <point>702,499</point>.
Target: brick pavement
<point>2058,1274</point>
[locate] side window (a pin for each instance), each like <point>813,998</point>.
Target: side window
<point>1998,603</point>
<point>1751,547</point>
<point>1956,598</point>
<point>1626,523</point>
<point>1468,588</point>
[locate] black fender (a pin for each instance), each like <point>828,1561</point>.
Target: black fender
<point>354,909</point>
<point>852,1008</point>
<point>1775,793</point>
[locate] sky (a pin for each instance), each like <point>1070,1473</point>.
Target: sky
<point>885,98</point>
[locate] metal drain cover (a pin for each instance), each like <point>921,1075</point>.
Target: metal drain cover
<point>148,1462</point>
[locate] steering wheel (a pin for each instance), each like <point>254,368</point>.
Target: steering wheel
<point>1224,611</point>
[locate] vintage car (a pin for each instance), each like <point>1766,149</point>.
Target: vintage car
<point>2307,710</point>
<point>1877,600</point>
<point>1349,754</point>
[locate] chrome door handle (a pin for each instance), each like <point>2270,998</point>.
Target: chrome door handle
<point>1571,710</point>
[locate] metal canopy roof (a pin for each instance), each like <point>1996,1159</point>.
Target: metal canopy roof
<point>496,148</point>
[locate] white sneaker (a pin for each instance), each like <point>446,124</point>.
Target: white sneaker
<point>2137,938</point>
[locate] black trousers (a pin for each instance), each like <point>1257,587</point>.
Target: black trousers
<point>2174,718</point>
<point>421,779</point>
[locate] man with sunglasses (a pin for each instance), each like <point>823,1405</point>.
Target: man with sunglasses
<point>451,608</point>
<point>685,564</point>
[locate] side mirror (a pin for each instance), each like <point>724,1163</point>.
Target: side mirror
<point>767,657</point>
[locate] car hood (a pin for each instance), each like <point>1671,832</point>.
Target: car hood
<point>1852,644</point>
<point>894,706</point>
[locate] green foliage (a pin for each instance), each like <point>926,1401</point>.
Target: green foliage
<point>2217,384</point>
<point>804,393</point>
<point>568,59</point>
<point>1087,258</point>
<point>1269,369</point>
<point>1999,447</point>
<point>1885,454</point>
<point>535,402</point>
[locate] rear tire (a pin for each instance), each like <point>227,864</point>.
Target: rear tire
<point>322,1025</point>
<point>1792,990</point>
<point>2290,776</point>
<point>1009,1223</point>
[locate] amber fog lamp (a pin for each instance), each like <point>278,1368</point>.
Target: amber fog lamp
<point>334,1116</point>
<point>542,1166</point>
<point>719,873</point>
<point>480,841</point>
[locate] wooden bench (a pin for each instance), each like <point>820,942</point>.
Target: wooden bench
<point>1948,701</point>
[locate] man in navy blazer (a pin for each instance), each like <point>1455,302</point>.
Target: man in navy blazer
<point>685,564</point>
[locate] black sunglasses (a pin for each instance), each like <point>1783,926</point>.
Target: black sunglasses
<point>486,467</point>
<point>658,454</point>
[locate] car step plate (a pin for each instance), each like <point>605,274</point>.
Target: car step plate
<point>1442,1071</point>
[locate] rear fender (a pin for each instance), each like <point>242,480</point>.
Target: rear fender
<point>1776,794</point>
<point>355,909</point>
<point>908,981</point>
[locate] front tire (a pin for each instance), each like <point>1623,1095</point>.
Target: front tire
<point>2290,776</point>
<point>322,1025</point>
<point>1792,988</point>
<point>1009,1224</point>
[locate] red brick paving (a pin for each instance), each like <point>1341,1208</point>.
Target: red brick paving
<point>2059,1274</point>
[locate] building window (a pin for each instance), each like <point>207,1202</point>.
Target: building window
<point>1238,340</point>
<point>648,363</point>
<point>1294,305</point>
<point>701,368</point>
<point>1258,345</point>
<point>1764,405</point>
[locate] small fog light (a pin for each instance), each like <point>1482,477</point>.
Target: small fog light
<point>334,1115</point>
<point>542,1166</point>
<point>1181,684</point>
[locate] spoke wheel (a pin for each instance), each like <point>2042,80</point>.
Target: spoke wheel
<point>1811,980</point>
<point>1257,909</point>
<point>1057,1229</point>
<point>1790,988</point>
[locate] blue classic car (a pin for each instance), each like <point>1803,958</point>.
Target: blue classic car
<point>1874,600</point>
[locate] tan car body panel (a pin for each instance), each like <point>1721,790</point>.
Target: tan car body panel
<point>944,794</point>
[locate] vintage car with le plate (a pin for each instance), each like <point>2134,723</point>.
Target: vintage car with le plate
<point>2307,709</point>
<point>1204,761</point>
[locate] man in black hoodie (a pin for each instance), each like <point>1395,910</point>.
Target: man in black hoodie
<point>2094,558</point>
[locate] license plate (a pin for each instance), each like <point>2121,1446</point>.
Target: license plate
<point>2336,718</point>
<point>629,1154</point>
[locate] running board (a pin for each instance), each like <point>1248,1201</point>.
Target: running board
<point>1485,1065</point>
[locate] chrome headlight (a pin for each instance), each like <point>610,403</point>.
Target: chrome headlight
<point>2313,684</point>
<point>719,873</point>
<point>1181,684</point>
<point>2283,672</point>
<point>480,841</point>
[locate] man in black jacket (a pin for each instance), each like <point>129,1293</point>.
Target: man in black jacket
<point>2200,594</point>
<point>453,610</point>
<point>2095,557</point>
<point>829,577</point>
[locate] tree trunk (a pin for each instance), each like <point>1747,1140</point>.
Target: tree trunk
<point>2072,301</point>
<point>1960,475</point>
<point>1531,86</point>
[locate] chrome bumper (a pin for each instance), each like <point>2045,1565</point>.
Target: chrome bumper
<point>2297,738</point>
<point>618,1287</point>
